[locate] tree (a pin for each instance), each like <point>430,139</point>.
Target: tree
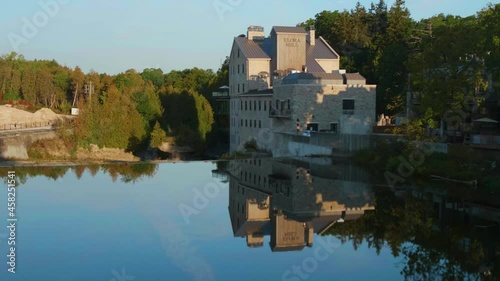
<point>148,104</point>
<point>399,24</point>
<point>45,87</point>
<point>28,86</point>
<point>158,136</point>
<point>154,76</point>
<point>449,72</point>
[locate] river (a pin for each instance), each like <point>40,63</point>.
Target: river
<point>256,219</point>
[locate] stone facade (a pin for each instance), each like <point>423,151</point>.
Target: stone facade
<point>262,104</point>
<point>324,105</point>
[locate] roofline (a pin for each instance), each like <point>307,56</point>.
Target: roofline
<point>329,47</point>
<point>273,29</point>
<point>253,95</point>
<point>243,49</point>
<point>259,59</point>
<point>328,84</point>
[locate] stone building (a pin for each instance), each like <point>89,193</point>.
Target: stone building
<point>290,82</point>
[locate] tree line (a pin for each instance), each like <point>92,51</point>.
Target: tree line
<point>444,57</point>
<point>128,110</point>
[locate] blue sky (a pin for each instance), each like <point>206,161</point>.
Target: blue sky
<point>115,35</point>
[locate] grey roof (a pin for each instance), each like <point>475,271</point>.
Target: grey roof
<point>257,92</point>
<point>290,79</point>
<point>250,227</point>
<point>321,50</point>
<point>354,76</point>
<point>289,29</point>
<point>275,248</point>
<point>312,65</point>
<point>254,49</point>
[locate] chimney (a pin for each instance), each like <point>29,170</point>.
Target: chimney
<point>255,33</point>
<point>311,35</point>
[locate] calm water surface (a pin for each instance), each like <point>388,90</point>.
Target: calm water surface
<point>286,219</point>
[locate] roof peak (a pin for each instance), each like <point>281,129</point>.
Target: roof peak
<point>289,29</point>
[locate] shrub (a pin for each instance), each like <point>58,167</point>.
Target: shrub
<point>251,145</point>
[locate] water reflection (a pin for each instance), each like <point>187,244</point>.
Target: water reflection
<point>292,199</point>
<point>127,173</point>
<point>418,232</point>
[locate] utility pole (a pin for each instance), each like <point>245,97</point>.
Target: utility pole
<point>76,94</point>
<point>90,89</point>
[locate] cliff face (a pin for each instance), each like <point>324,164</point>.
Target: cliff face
<point>15,145</point>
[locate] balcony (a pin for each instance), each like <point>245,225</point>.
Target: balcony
<point>284,113</point>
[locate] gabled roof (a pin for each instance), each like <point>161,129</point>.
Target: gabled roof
<point>321,50</point>
<point>262,49</point>
<point>254,49</point>
<point>288,29</point>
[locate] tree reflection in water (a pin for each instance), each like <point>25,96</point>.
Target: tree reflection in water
<point>439,234</point>
<point>432,247</point>
<point>128,173</point>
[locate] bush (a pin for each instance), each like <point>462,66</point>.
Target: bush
<point>11,96</point>
<point>251,145</point>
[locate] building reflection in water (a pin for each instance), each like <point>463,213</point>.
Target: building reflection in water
<point>292,199</point>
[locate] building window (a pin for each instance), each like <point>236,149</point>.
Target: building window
<point>265,106</point>
<point>241,105</point>
<point>334,128</point>
<point>312,127</point>
<point>243,68</point>
<point>288,104</point>
<point>243,87</point>
<point>241,122</point>
<point>250,105</point>
<point>348,107</point>
<point>277,104</point>
<point>260,105</point>
<point>255,123</point>
<point>246,122</point>
<point>255,105</point>
<point>245,105</point>
<point>260,124</point>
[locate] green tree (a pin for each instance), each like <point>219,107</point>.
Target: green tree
<point>148,104</point>
<point>154,76</point>
<point>158,136</point>
<point>28,86</point>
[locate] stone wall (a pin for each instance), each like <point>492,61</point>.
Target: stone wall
<point>16,146</point>
<point>323,104</point>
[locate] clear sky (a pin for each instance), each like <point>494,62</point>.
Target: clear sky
<point>115,35</point>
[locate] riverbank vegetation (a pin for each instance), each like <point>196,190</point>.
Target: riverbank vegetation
<point>124,111</point>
